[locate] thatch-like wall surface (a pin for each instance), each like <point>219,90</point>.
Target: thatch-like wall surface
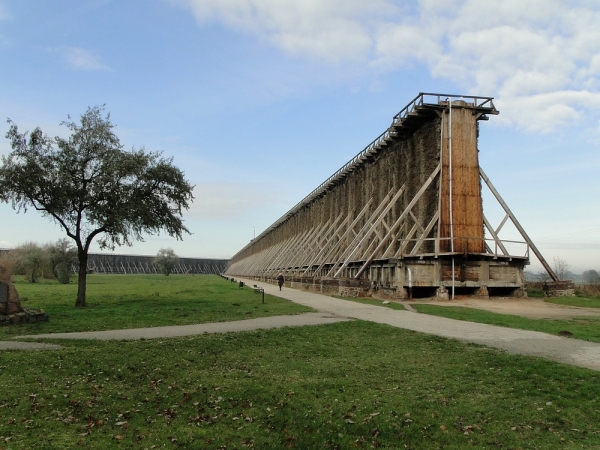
<point>467,211</point>
<point>387,218</point>
<point>115,263</point>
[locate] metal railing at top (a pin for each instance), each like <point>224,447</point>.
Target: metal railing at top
<point>419,100</point>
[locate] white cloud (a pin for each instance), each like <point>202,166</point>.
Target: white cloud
<point>226,201</point>
<point>539,58</point>
<point>83,59</point>
<point>398,44</point>
<point>546,112</point>
<point>334,31</point>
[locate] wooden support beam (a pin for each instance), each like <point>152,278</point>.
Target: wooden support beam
<point>371,229</point>
<point>321,241</point>
<point>311,246</point>
<point>425,233</point>
<point>406,241</point>
<point>274,266</point>
<point>358,235</point>
<point>334,231</point>
<point>261,260</point>
<point>495,236</point>
<point>329,253</point>
<point>518,225</point>
<point>502,224</point>
<point>279,260</point>
<point>416,221</point>
<point>390,247</point>
<point>400,219</point>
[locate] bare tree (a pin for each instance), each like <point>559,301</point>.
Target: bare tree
<point>543,276</point>
<point>562,268</point>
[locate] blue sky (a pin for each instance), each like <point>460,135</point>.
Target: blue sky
<point>259,101</point>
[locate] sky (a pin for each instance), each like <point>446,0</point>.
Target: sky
<point>259,101</point>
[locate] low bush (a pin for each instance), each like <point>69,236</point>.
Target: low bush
<point>588,290</point>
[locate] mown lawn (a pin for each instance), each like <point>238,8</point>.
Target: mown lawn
<point>341,386</point>
<point>580,301</point>
<point>582,327</point>
<point>134,301</point>
<point>347,385</point>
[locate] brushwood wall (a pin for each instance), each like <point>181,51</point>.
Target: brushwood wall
<point>113,263</point>
<point>404,162</point>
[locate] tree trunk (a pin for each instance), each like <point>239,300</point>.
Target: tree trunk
<point>81,283</point>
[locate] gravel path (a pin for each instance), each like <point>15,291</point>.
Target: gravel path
<point>332,310</point>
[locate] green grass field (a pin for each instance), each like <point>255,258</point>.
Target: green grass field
<point>134,301</point>
<point>583,327</point>
<point>583,302</point>
<point>340,386</point>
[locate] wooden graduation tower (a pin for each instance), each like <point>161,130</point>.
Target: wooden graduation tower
<point>403,218</point>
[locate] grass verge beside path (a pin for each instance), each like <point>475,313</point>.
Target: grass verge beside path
<point>585,328</point>
<point>341,386</point>
<point>137,301</point>
<point>582,302</point>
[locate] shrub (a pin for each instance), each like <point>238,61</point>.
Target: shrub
<point>166,260</point>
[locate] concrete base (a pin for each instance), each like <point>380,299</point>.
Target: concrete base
<point>559,288</point>
<point>422,277</point>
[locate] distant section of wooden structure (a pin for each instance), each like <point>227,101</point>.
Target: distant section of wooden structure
<point>115,263</point>
<point>403,218</point>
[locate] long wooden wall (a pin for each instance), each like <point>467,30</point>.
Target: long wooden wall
<point>115,263</point>
<point>412,196</point>
<point>371,185</point>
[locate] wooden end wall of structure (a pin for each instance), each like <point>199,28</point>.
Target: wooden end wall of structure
<point>402,218</point>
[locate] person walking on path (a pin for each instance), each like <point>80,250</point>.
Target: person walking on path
<point>280,280</point>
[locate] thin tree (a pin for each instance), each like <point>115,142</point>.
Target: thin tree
<point>92,187</point>
<point>61,256</point>
<point>166,260</point>
<point>31,260</point>
<point>562,268</point>
<point>543,276</point>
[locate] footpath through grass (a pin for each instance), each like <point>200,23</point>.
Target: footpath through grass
<point>136,301</point>
<point>582,327</point>
<point>341,386</point>
<point>373,301</point>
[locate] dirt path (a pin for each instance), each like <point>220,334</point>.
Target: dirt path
<point>533,308</point>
